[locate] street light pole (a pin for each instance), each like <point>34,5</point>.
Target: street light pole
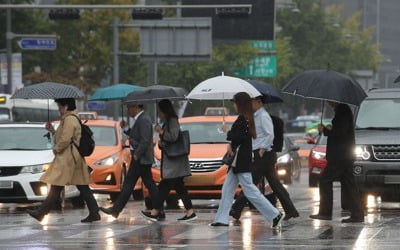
<point>116,61</point>
<point>9,50</point>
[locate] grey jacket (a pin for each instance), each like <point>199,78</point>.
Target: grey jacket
<point>141,138</point>
<point>173,167</point>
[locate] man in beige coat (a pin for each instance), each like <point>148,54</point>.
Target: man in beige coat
<point>68,166</point>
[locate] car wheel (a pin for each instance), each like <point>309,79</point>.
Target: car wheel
<point>78,202</point>
<point>313,180</point>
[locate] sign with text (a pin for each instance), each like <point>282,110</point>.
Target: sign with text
<point>260,66</point>
<point>38,43</point>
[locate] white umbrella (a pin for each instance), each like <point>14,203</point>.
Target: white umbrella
<point>222,88</point>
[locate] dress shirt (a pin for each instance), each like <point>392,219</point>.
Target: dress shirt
<point>264,130</point>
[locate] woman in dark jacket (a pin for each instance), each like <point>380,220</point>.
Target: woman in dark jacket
<point>173,169</point>
<point>240,135</point>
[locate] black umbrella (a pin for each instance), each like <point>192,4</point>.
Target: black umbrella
<point>48,90</point>
<point>269,93</point>
<point>326,85</point>
<point>397,79</point>
<point>154,93</point>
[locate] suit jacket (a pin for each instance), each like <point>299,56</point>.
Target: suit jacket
<point>341,140</point>
<point>141,138</point>
<point>239,135</point>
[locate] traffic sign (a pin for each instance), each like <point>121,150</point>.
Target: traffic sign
<point>260,66</point>
<point>38,43</point>
<point>263,45</point>
<point>96,105</point>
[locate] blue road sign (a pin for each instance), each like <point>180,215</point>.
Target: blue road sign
<point>96,105</point>
<point>38,43</point>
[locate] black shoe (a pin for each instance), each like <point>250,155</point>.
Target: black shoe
<point>291,215</point>
<point>91,218</point>
<point>352,219</point>
<point>149,216</point>
<point>320,217</point>
<point>161,215</point>
<point>218,224</point>
<point>35,214</point>
<point>276,223</point>
<point>110,211</point>
<point>235,214</point>
<point>188,218</point>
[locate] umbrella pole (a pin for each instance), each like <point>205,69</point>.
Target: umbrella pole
<point>122,110</point>
<point>48,110</point>
<point>322,113</point>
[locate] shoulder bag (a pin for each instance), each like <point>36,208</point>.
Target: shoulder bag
<point>180,147</point>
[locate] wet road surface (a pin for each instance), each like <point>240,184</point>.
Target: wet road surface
<point>63,230</point>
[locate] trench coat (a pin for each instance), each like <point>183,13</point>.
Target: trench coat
<point>68,166</point>
<point>173,167</point>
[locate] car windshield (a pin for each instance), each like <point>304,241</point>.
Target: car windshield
<point>205,132</point>
<point>25,138</point>
<point>104,136</point>
<point>379,113</point>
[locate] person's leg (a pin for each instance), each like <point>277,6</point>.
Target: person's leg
<point>88,197</point>
<point>183,193</point>
<point>164,188</point>
<point>47,204</point>
<point>254,195</point>
<point>268,161</point>
<point>350,188</point>
<point>127,187</point>
<point>331,172</point>
<point>241,200</point>
<point>147,178</point>
<point>227,193</point>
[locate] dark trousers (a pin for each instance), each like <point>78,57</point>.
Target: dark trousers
<point>178,185</point>
<point>265,167</point>
<point>54,196</point>
<point>342,170</point>
<point>135,171</point>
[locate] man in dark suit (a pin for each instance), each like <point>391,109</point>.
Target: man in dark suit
<point>340,158</point>
<point>141,143</point>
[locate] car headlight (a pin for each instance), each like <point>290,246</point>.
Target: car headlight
<point>283,158</point>
<point>35,169</point>
<point>362,153</point>
<point>109,161</point>
<point>157,163</point>
<point>318,155</point>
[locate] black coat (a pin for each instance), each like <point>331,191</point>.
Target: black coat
<point>240,135</point>
<point>341,141</point>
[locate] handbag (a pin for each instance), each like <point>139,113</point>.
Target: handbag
<point>230,160</point>
<point>180,147</point>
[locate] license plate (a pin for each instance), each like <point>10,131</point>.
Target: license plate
<point>6,184</point>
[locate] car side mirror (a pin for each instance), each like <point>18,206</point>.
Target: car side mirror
<point>311,141</point>
<point>126,144</point>
<point>294,148</point>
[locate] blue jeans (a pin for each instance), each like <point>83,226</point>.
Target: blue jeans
<point>250,190</point>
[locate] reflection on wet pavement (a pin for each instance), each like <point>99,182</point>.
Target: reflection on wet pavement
<point>132,231</point>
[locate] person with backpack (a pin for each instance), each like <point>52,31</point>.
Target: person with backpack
<point>265,158</point>
<point>69,166</point>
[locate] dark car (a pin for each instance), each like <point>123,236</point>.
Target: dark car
<point>377,165</point>
<point>288,165</point>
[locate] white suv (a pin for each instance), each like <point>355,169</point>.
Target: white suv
<point>25,153</point>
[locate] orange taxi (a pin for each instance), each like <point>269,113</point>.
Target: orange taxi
<point>110,160</point>
<point>208,146</point>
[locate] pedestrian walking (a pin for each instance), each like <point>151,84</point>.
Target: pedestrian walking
<point>173,169</point>
<point>240,135</point>
<point>340,159</point>
<point>68,166</point>
<point>264,163</point>
<point>141,143</point>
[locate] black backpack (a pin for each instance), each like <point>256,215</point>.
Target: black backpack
<point>86,144</point>
<point>278,133</point>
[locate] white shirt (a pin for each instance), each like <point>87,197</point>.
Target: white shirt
<point>264,130</point>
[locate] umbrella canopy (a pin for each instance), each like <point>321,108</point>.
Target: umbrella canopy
<point>115,92</point>
<point>397,79</point>
<point>222,88</point>
<point>154,93</point>
<point>269,93</point>
<point>48,90</point>
<point>326,85</point>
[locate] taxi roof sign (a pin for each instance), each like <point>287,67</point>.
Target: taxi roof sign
<point>3,99</point>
